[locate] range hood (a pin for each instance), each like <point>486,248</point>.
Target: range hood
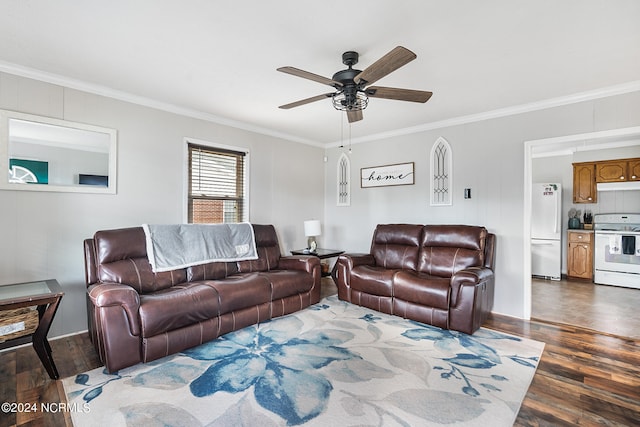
<point>618,186</point>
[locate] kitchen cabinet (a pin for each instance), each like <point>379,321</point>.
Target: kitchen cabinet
<point>580,254</point>
<point>621,170</point>
<point>584,183</point>
<point>611,171</point>
<point>587,174</point>
<point>633,169</point>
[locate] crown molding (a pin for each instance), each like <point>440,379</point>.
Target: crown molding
<point>96,89</point>
<point>629,87</point>
<point>108,92</point>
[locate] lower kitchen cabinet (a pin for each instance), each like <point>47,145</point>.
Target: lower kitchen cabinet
<point>580,254</point>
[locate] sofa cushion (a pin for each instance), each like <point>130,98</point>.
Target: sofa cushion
<point>268,250</point>
<point>176,307</point>
<point>211,271</point>
<point>373,280</point>
<point>254,266</point>
<point>241,291</point>
<point>122,258</point>
<point>285,283</point>
<point>136,272</point>
<point>119,244</point>
<point>422,289</point>
<point>446,249</point>
<point>396,245</point>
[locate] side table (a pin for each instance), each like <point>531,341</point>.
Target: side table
<point>46,296</point>
<point>320,253</point>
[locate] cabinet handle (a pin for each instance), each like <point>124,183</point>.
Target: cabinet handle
<point>633,176</point>
<point>622,177</point>
<point>589,198</point>
<point>579,236</point>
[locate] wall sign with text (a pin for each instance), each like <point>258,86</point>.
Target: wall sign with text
<point>382,176</point>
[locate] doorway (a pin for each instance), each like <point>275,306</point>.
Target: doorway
<point>558,146</point>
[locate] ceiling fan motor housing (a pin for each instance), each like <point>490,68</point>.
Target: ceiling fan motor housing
<point>347,97</point>
<point>346,76</point>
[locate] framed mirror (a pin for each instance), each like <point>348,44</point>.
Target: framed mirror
<point>45,154</point>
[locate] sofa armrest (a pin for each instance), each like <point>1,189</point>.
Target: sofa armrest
<point>341,272</point>
<point>354,260</point>
<point>105,295</point>
<point>471,276</point>
<point>472,291</point>
<point>299,262</point>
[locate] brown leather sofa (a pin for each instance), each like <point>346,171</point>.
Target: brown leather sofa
<point>441,275</point>
<point>136,315</point>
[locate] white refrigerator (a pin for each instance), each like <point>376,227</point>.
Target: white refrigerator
<point>546,230</point>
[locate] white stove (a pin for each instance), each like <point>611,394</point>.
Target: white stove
<point>617,250</point>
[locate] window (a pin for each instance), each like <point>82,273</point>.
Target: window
<point>216,191</point>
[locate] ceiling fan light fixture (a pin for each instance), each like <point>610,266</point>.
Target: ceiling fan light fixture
<point>344,101</point>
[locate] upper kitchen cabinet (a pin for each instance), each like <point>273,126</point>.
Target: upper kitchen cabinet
<point>584,183</point>
<point>618,170</point>
<point>633,169</point>
<point>589,177</point>
<point>611,171</point>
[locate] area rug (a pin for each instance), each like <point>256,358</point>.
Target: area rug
<point>332,364</point>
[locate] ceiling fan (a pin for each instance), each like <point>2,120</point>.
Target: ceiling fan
<point>352,90</point>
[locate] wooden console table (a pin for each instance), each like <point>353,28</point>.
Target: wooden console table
<point>46,296</point>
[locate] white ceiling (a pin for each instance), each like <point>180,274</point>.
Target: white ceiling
<point>218,60</point>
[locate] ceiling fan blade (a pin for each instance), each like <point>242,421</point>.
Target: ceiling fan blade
<point>390,62</point>
<point>306,101</point>
<point>311,76</point>
<point>399,94</point>
<point>354,115</point>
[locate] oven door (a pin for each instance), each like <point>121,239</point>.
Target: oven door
<point>617,258</point>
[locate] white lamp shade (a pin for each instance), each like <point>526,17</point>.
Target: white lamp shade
<point>312,228</point>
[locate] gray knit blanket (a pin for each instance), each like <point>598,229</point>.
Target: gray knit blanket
<point>174,246</point>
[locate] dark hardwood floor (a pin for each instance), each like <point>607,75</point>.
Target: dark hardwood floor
<point>584,377</point>
<point>24,380</point>
<point>610,309</point>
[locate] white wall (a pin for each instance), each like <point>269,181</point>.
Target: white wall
<point>488,157</point>
<point>42,232</point>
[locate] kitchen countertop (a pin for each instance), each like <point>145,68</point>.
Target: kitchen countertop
<point>580,230</point>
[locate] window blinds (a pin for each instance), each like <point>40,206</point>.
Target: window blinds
<point>216,185</point>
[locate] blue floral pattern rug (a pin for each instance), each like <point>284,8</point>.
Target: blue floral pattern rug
<point>332,364</point>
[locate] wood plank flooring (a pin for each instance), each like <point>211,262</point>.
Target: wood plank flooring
<point>609,309</point>
<point>24,380</point>
<point>584,377</point>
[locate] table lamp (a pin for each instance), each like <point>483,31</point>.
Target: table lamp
<point>312,230</point>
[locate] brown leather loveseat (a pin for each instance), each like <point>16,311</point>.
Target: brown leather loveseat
<point>136,315</point>
<point>441,275</point>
